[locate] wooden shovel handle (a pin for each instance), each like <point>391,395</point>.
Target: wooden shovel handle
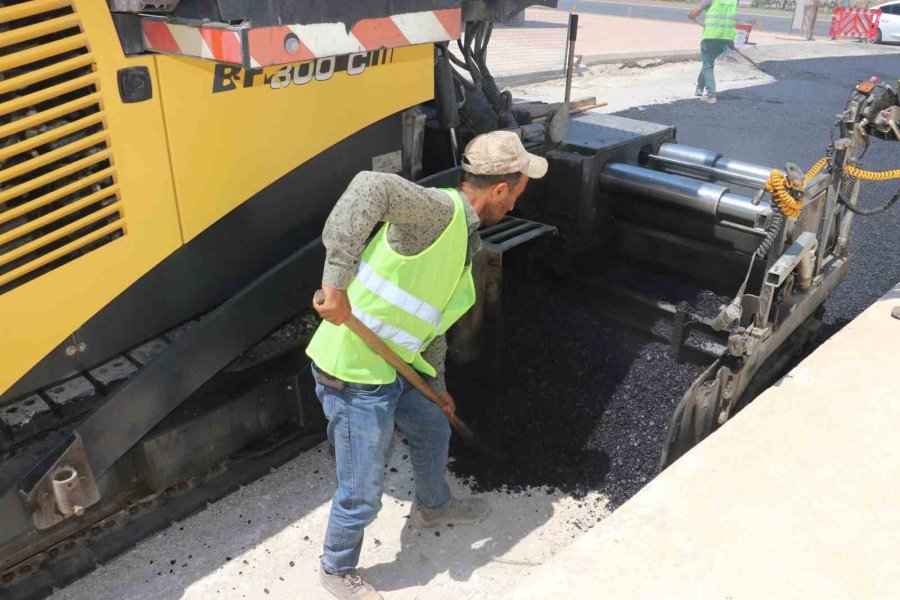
<point>377,344</point>
<point>744,56</point>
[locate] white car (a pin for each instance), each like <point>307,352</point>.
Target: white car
<point>889,27</point>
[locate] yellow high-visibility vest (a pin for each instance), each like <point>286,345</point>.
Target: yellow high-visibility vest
<point>720,21</point>
<point>406,300</point>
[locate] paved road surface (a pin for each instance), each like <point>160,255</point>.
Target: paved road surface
<point>677,12</point>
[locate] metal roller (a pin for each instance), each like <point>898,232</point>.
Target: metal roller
<point>700,162</point>
<point>710,199</point>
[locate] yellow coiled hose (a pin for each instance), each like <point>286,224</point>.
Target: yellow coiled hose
<point>871,175</point>
<point>778,184</point>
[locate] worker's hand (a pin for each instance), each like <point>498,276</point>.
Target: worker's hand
<point>450,408</point>
<point>332,304</point>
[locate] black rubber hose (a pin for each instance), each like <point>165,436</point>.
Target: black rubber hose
<point>458,62</point>
<point>869,212</point>
<point>772,232</point>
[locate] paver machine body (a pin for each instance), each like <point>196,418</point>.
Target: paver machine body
<point>166,171</point>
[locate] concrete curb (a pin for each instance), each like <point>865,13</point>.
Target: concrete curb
<point>530,78</point>
<point>630,58</point>
<point>633,59</point>
<point>626,59</point>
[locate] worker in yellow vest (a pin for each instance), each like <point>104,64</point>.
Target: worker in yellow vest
<point>719,30</point>
<point>409,284</point>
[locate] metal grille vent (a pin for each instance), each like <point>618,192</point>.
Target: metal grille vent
<point>59,198</point>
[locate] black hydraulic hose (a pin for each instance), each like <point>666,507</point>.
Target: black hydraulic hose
<point>458,62</point>
<point>471,33</point>
<point>462,81</point>
<point>872,211</point>
<point>487,38</point>
<point>772,232</point>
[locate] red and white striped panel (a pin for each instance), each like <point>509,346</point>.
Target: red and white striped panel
<point>222,44</point>
<point>855,22</point>
<point>267,46</point>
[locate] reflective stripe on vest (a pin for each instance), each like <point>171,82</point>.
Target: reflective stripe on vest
<point>720,20</point>
<point>406,301</point>
<point>392,294</point>
<point>388,332</point>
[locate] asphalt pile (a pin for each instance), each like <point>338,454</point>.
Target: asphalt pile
<point>578,403</point>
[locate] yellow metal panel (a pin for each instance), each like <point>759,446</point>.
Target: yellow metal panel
<point>53,134</point>
<point>44,240</point>
<point>50,217</point>
<point>29,9</point>
<point>15,213</point>
<point>44,116</point>
<point>60,252</point>
<point>14,83</point>
<point>227,146</point>
<point>24,57</point>
<point>15,36</point>
<point>54,155</point>
<point>47,178</point>
<point>37,316</point>
<point>47,93</point>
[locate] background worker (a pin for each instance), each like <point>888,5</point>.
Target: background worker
<point>408,284</point>
<point>719,30</point>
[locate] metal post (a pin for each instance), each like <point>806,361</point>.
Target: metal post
<point>844,149</point>
<point>570,59</point>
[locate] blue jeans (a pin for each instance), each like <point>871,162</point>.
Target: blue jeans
<point>709,52</point>
<point>360,424</point>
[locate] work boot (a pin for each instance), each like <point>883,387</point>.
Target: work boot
<point>457,512</point>
<point>347,586</point>
<point>698,92</point>
<point>708,98</point>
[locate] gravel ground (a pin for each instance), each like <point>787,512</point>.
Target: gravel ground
<point>263,542</point>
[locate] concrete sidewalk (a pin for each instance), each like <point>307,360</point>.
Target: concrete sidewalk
<point>796,497</point>
<point>602,38</point>
<point>671,74</point>
<point>536,48</point>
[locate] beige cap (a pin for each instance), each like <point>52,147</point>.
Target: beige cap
<point>501,153</point>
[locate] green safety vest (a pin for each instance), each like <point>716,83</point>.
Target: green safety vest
<point>720,21</point>
<point>406,300</point>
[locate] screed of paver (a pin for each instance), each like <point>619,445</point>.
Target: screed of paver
<point>264,541</point>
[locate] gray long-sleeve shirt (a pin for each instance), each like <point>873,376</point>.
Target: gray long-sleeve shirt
<point>417,216</point>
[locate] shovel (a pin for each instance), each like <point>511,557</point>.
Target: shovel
<point>744,56</point>
<point>375,343</point>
